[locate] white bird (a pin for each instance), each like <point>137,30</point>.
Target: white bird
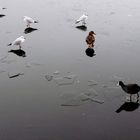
<point>82,19</point>
<point>29,20</point>
<point>18,41</point>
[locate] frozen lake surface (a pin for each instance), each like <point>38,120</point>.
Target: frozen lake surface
<point>51,89</point>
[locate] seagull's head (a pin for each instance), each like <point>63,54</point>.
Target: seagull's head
<point>22,37</point>
<point>86,15</point>
<point>24,17</point>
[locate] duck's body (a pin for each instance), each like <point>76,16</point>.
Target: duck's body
<point>18,41</point>
<point>29,20</point>
<point>82,19</point>
<point>130,88</point>
<point>90,39</point>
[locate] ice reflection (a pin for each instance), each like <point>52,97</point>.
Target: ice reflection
<point>29,30</point>
<point>90,52</point>
<point>128,106</point>
<point>1,15</point>
<point>82,27</point>
<point>19,52</point>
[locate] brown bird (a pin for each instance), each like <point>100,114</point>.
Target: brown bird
<point>90,39</point>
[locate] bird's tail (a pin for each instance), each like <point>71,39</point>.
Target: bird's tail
<point>9,44</point>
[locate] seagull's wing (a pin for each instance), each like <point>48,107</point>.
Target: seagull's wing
<point>80,19</point>
<point>28,19</point>
<point>17,41</point>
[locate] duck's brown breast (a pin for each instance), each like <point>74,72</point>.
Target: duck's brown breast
<point>90,39</point>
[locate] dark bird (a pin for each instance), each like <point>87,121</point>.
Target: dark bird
<point>90,39</point>
<point>130,89</point>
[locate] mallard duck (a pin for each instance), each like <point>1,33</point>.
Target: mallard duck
<point>90,39</point>
<point>18,41</point>
<point>130,89</point>
<point>29,20</point>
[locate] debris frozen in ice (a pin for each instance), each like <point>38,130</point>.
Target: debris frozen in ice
<point>13,74</point>
<point>117,78</point>
<point>92,98</point>
<point>49,77</point>
<point>74,99</point>
<point>92,83</point>
<point>65,80</point>
<point>91,92</point>
<point>56,73</point>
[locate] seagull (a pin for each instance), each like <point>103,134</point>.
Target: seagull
<point>82,19</point>
<point>18,41</point>
<point>29,20</point>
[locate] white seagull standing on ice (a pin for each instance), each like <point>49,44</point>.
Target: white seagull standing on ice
<point>82,19</point>
<point>18,41</point>
<point>29,20</point>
